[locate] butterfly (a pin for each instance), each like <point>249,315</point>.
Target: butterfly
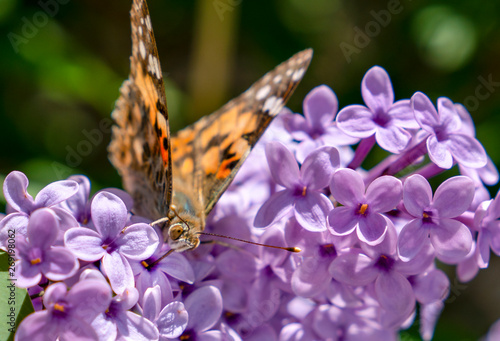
<point>179,178</point>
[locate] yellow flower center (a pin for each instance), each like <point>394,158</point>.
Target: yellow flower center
<point>35,261</point>
<point>59,307</point>
<point>362,209</point>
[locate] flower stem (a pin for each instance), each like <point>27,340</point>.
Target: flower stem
<point>363,149</point>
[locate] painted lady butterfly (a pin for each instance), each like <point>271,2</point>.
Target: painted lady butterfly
<point>180,178</point>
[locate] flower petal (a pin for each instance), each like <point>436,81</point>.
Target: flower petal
<point>274,209</point>
<point>138,241</point>
<point>36,327</point>
<point>372,229</point>
<point>109,215</point>
<point>412,238</point>
<point>376,88</point>
<point>439,152</point>
<point>384,193</point>
<point>467,151</point>
<point>452,240</point>
<point>342,221</point>
<point>152,303</point>
<point>17,222</point>
<point>353,268</point>
<point>90,297</point>
<point>59,264</point>
<point>137,328</point>
<point>282,164</point>
<point>177,266</point>
<point>173,320</point>
<point>43,228</point>
<point>453,196</point>
<point>85,243</point>
<point>27,275</point>
<point>320,106</point>
<point>55,193</point>
<point>448,115</point>
<point>319,166</point>
<point>431,287</point>
<point>204,307</point>
<point>417,195</point>
<point>119,272</point>
<point>311,277</point>
<point>311,211</point>
<point>347,187</point>
<point>392,138</point>
<point>401,114</point>
<point>14,190</point>
<point>357,121</point>
<point>237,265</point>
<point>425,112</point>
<point>395,293</point>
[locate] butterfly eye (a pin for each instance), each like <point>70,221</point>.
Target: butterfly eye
<point>175,231</point>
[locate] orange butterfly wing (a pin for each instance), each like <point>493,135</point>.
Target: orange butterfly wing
<point>140,145</point>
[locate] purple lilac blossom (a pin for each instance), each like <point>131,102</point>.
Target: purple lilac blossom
<point>37,254</point>
<point>362,211</point>
<point>303,187</point>
<point>446,142</point>
<point>382,117</point>
<point>433,215</point>
<point>317,127</point>
<point>22,204</point>
<point>114,242</point>
<point>367,285</point>
<point>67,314</point>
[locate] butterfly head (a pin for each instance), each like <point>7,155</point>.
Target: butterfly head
<point>182,234</point>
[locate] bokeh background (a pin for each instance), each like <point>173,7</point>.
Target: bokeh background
<point>62,63</point>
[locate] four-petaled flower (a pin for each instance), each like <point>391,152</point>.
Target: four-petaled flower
<point>382,117</point>
<point>68,314</point>
<point>303,187</point>
<point>317,127</point>
<point>433,222</point>
<point>112,241</point>
<point>362,211</point>
<point>446,141</point>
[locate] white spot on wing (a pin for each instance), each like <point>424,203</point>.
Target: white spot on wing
<point>297,75</point>
<point>273,105</point>
<point>142,49</point>
<point>277,79</point>
<point>288,72</point>
<point>154,66</point>
<point>148,23</point>
<point>263,92</point>
<point>140,30</point>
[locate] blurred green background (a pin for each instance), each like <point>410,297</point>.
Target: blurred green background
<point>62,63</point>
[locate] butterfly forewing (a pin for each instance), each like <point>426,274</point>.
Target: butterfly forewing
<point>191,175</point>
<point>207,155</point>
<point>140,146</point>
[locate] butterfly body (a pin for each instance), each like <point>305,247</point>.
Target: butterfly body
<point>178,179</point>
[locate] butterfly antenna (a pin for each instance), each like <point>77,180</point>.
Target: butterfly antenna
<point>289,249</point>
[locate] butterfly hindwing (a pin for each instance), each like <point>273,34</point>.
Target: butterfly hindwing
<point>140,147</point>
<point>208,154</point>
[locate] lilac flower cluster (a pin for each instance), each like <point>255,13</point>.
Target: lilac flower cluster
<point>370,240</point>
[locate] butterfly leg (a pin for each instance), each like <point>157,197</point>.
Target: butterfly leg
<point>160,221</point>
